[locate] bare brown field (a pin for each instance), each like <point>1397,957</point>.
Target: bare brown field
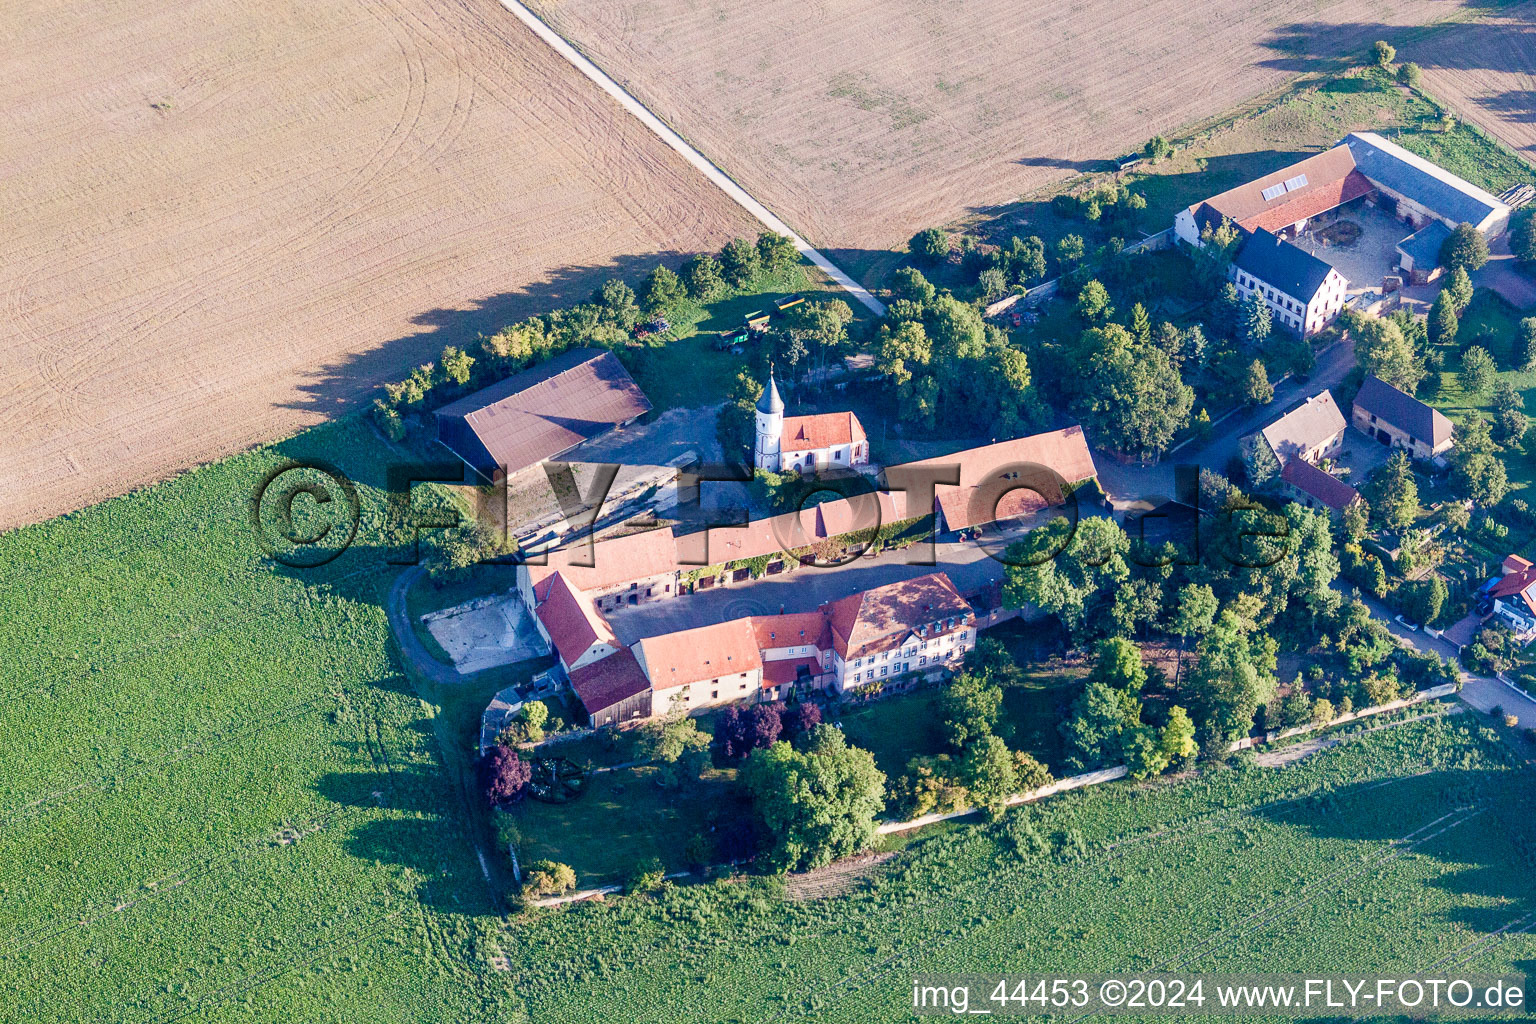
<point>859,121</point>
<point>224,222</point>
<point>1486,72</point>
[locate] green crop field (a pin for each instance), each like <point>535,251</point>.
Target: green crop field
<point>1394,850</point>
<point>219,798</point>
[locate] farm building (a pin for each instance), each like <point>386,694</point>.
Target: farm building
<point>1303,292</point>
<point>701,667</point>
<point>1422,191</point>
<point>1419,253</point>
<point>1311,431</point>
<point>1315,488</point>
<point>541,413</point>
<point>918,627</point>
<point>613,690</point>
<point>1398,419</point>
<point>627,570</point>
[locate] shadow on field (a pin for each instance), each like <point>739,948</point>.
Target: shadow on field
<point>1480,823</point>
<point>345,385</point>
<point>1310,46</point>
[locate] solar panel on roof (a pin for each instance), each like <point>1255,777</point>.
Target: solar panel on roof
<point>1292,184</point>
<point>1273,192</point>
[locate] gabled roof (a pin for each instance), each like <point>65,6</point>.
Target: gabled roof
<point>1390,165</point>
<point>614,560</point>
<point>1517,583</point>
<point>1305,427</point>
<point>1296,192</point>
<point>573,622</point>
<point>541,412</point>
<point>695,655</point>
<point>823,430</point>
<point>796,629</point>
<point>883,617</point>
<point>1326,488</point>
<point>607,681</point>
<point>1423,246</point>
<point>1283,266</point>
<point>1514,563</point>
<point>787,670</point>
<point>1402,410</point>
<point>982,476</point>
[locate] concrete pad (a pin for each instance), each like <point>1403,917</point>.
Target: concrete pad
<point>486,632</point>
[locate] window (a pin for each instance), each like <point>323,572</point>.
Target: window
<point>714,694</point>
<point>923,660</point>
<point>883,670</point>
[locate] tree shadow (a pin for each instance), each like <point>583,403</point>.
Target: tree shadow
<point>1316,46</point>
<point>345,383</point>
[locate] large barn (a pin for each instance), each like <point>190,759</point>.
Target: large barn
<point>541,413</point>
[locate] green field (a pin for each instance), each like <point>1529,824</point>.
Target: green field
<point>1392,851</point>
<point>220,798</point>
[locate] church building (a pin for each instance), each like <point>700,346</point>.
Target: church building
<point>805,444</point>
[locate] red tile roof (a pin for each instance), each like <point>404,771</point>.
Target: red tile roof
<point>614,560</point>
<point>1310,203</point>
<point>793,630</point>
<point>793,530</point>
<point>608,681</point>
<point>695,655</point>
<point>982,498</point>
<point>1325,487</point>
<point>787,670</point>
<point>1514,583</point>
<point>883,617</point>
<point>824,430</point>
<point>1245,205</point>
<point>1514,563</point>
<point>572,621</point>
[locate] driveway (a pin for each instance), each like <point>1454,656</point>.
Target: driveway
<point>1481,692</point>
<point>1502,273</point>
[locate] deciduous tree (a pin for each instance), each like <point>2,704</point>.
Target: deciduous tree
<point>816,805</point>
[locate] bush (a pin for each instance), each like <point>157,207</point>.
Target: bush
<point>1511,721</point>
<point>1410,75</point>
<point>547,878</point>
<point>931,245</point>
<point>1384,53</point>
<point>646,875</point>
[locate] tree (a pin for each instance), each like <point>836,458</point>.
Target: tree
<point>1256,387</point>
<point>1096,729</point>
<point>1410,74</point>
<point>1455,515</point>
<point>776,253</point>
<point>701,275</point>
<point>968,709</point>
<point>1465,247</point>
<point>1225,685</point>
<point>502,775</point>
<point>529,724</point>
<point>802,718</point>
<point>930,246</point>
<point>1093,303</point>
<point>1382,349</point>
<point>1477,370</point>
<point>1356,516</point>
<point>1525,344</point>
<point>1260,461</point>
<point>675,743</point>
<point>1060,570</point>
<point>739,262</point>
<point>1157,149</point>
<point>1144,756</point>
<point>992,284</point>
<point>547,878</point>
<point>1194,610</point>
<point>1023,262</point>
<point>457,365</point>
<point>1396,497</point>
<point>1509,428</point>
<point>1522,235</point>
<point>1384,52</point>
<point>1460,288</point>
<point>1134,400</point>
<point>1424,599</point>
<point>1178,738</point>
<point>987,770</point>
<point>618,302</point>
<point>662,290</point>
<point>1443,322</point>
<point>816,805</point>
<point>1475,466</point>
<point>1118,664</point>
<point>1141,324</point>
<point>1069,251</point>
<point>1031,773</point>
<point>1257,321</point>
<point>1296,708</point>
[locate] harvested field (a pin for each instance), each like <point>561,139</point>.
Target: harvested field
<point>862,121</point>
<point>225,221</point>
<point>1486,72</point>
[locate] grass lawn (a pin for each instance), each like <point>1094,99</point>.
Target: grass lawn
<point>622,817</point>
<point>1392,851</point>
<point>222,798</point>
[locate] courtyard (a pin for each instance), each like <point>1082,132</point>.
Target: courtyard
<point>1369,256</point>
<point>486,633</point>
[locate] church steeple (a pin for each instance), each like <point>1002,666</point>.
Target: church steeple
<point>771,402</point>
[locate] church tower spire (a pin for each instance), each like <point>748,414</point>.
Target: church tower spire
<point>770,426</point>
